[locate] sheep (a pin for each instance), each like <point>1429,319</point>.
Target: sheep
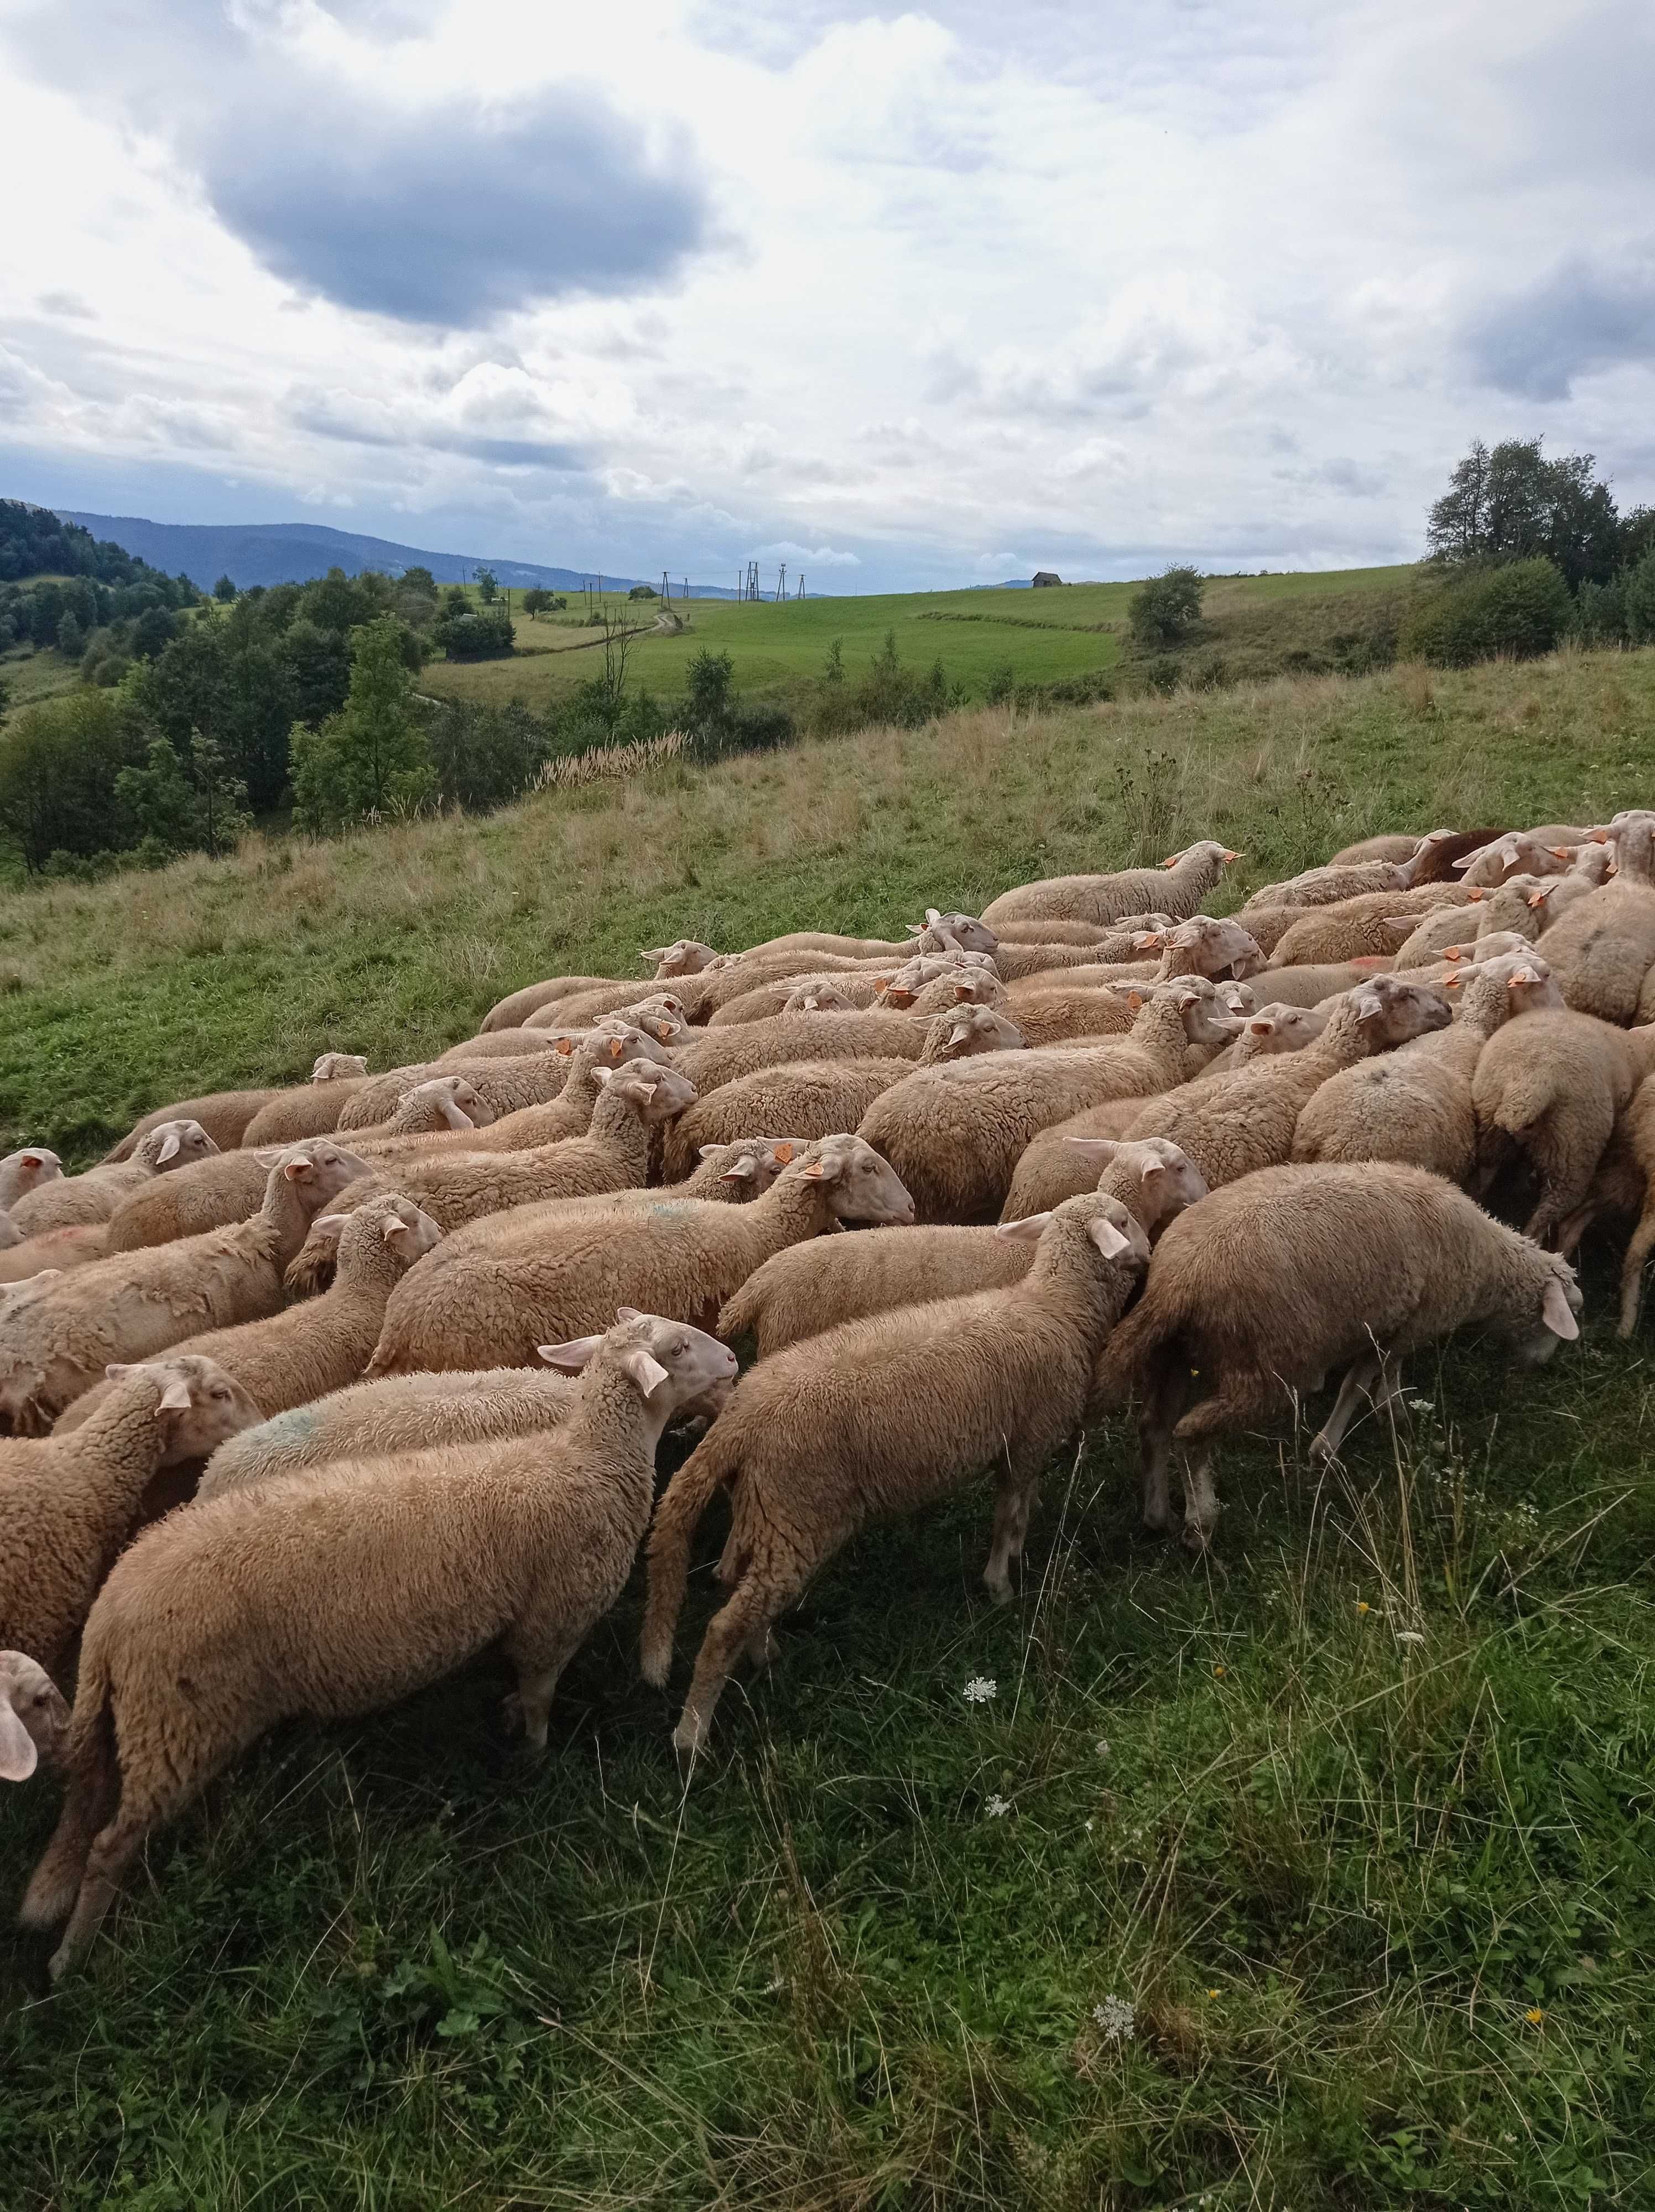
<point>954,1134</point>
<point>211,1194</point>
<point>1531,904</point>
<point>23,1173</point>
<point>612,1155</point>
<point>1246,1120</point>
<point>1061,930</point>
<point>1269,1284</point>
<point>310,1349</point>
<point>33,1718</point>
<point>810,1288</point>
<point>476,1306</point>
<point>508,1085</point>
<point>961,933</point>
<point>956,987</point>
<point>847,988</point>
<point>823,998</point>
<point>1178,887</point>
<point>511,1012</point>
<point>84,1200</point>
<point>1525,852</point>
<point>1331,885</point>
<point>308,1109</point>
<point>1374,923</point>
<point>337,1595</point>
<point>1202,946</point>
<point>1309,985</point>
<point>133,1305</point>
<point>441,1104</point>
<point>820,1096</point>
<point>1445,847</point>
<point>1553,1089</point>
<point>68,1503</point>
<point>705,994</point>
<point>1623,1182</point>
<point>224,1115</point>
<point>1053,1168</point>
<point>1414,1104</point>
<point>52,1253</point>
<point>1603,948</point>
<point>10,1234</point>
<point>884,1417</point>
<point>721,1055</point>
<point>1057,1017</point>
<point>633,1002</point>
<point>1429,936</point>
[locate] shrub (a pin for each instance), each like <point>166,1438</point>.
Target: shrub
<point>58,765</point>
<point>1166,610</point>
<point>1516,611</point>
<point>473,634</point>
<point>372,758</point>
<point>482,756</point>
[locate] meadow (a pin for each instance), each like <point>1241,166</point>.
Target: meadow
<point>1316,1875</point>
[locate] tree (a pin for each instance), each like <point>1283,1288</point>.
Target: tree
<point>488,586</point>
<point>468,633</point>
<point>372,758</point>
<point>707,678</point>
<point>643,592</point>
<point>833,668</point>
<point>158,804</point>
<point>58,763</point>
<point>1511,503</point>
<point>221,816</point>
<point>224,590</point>
<point>535,602</point>
<point>72,641</point>
<point>1166,610</point>
<point>1514,611</point>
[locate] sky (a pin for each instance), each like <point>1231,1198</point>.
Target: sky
<point>905,298</point>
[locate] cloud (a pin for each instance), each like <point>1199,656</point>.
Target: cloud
<point>1588,314</point>
<point>819,556</point>
<point>69,304</point>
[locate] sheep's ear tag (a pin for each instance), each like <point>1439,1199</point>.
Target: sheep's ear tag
<point>663,1032</point>
<point>1475,895</point>
<point>617,1049</point>
<point>1537,899</point>
<point>646,1372</point>
<point>1134,1000</point>
<point>570,1356</point>
<point>18,1753</point>
<point>1449,983</point>
<point>175,1398</point>
<point>1559,852</point>
<point>783,1152</point>
<point>1555,1312</point>
<point>815,1171</point>
<point>1521,976</point>
<point>170,1148</point>
<point>565,1045</point>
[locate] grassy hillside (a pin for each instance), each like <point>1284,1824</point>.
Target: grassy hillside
<point>1038,635</point>
<point>1355,1820</point>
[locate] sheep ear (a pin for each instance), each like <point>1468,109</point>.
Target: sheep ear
<point>19,1755</point>
<point>1151,1167</point>
<point>115,1369</point>
<point>1107,1237</point>
<point>603,1074</point>
<point>1026,1231</point>
<point>572,1357</point>
<point>330,1224</point>
<point>169,1149</point>
<point>739,1171</point>
<point>932,917</point>
<point>1229,856</point>
<point>1538,899</point>
<point>1369,1006</point>
<point>268,1156</point>
<point>1555,1312</point>
<point>1101,1149</point>
<point>960,1030</point>
<point>1262,1025</point>
<point>646,1372</point>
<point>1520,975</point>
<point>298,1171</point>
<point>658,954</point>
<point>395,1227</point>
<point>705,1151</point>
<point>629,1313</point>
<point>175,1398</point>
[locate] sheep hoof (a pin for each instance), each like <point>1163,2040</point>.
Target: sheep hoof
<point>687,1739</point>
<point>62,1962</point>
<point>511,1712</point>
<point>1000,1592</point>
<point>1322,1452</point>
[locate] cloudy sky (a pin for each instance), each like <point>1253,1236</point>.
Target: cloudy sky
<point>904,297</point>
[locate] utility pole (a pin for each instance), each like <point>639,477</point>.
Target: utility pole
<point>781,584</point>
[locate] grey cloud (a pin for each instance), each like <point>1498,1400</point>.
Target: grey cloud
<point>66,303</point>
<point>1587,315</point>
<point>384,430</point>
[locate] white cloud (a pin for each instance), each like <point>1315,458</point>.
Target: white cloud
<point>880,291</point>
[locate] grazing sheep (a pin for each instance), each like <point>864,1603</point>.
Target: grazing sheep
<point>819,1096</point>
<point>1052,1168</point>
<point>1332,885</point>
<point>812,1287</point>
<point>1176,888</point>
<point>84,1200</point>
<point>24,1172</point>
<point>955,1134</point>
<point>1246,1120</point>
<point>884,1417</point>
<point>309,1350</point>
<point>1414,1104</point>
<point>68,1503</point>
<point>339,1595</point>
<point>134,1304</point>
<point>477,1306</point>
<point>1603,948</point>
<point>508,1085</point>
<point>511,1013</point>
<point>1553,1091</point>
<point>33,1718</point>
<point>224,1115</point>
<point>1265,1288</point>
<point>1624,1183</point>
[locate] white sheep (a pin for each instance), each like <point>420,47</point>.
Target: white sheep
<point>84,1200</point>
<point>1178,887</point>
<point>24,1171</point>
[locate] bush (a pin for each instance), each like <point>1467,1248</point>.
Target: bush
<point>473,634</point>
<point>372,758</point>
<point>1166,610</point>
<point>483,757</point>
<point>60,763</point>
<point>1513,612</point>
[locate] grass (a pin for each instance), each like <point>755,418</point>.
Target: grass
<point>30,677</point>
<point>1382,1906</point>
<point>1039,635</point>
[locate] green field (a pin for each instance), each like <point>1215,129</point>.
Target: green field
<point>1039,635</point>
<point>1382,1908</point>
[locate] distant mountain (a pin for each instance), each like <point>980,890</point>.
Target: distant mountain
<point>294,552</point>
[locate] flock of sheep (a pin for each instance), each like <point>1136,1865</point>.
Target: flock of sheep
<point>425,1328</point>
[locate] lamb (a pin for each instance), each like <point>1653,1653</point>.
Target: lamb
<point>33,1718</point>
<point>309,1350</point>
<point>955,1134</point>
<point>1269,1284</point>
<point>1603,948</point>
<point>810,1288</point>
<point>69,1504</point>
<point>884,1417</point>
<point>1553,1089</point>
<point>511,1012</point>
<point>1414,1104</point>
<point>337,1595</point>
<point>134,1304</point>
<point>475,1306</point>
<point>1246,1120</point>
<point>224,1115</point>
<point>23,1173</point>
<point>85,1200</point>
<point>1178,887</point>
<point>1055,1167</point>
<point>821,1095</point>
<point>613,1155</point>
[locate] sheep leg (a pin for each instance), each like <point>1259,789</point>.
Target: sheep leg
<point>1168,1395</point>
<point>89,1806</point>
<point>112,1851</point>
<point>767,1589</point>
<point>1017,1486</point>
<point>1632,1271</point>
<point>1566,1157</point>
<point>1200,1505</point>
<point>1243,1394</point>
<point>1361,1376</point>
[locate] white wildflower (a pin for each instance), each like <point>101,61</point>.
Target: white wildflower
<point>1117,2019</point>
<point>997,1808</point>
<point>1102,1746</point>
<point>1410,1636</point>
<point>981,1690</point>
<point>1088,1827</point>
<point>1421,1405</point>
